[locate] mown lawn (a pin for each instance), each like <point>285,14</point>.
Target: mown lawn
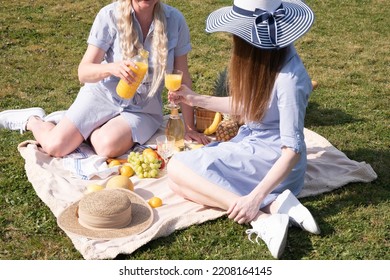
<point>346,51</point>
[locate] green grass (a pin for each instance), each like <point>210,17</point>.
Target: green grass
<point>346,51</point>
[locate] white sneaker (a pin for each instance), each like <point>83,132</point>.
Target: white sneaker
<point>55,117</point>
<point>273,231</point>
<point>17,119</point>
<point>299,215</point>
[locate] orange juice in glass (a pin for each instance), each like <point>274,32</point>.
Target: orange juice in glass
<point>173,79</point>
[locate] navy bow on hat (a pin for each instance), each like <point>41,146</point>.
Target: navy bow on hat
<point>262,16</point>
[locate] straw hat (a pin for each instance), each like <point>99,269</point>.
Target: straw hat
<point>266,24</point>
<point>107,214</point>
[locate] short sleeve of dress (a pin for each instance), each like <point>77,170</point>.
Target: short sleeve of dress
<point>293,90</point>
<point>183,43</point>
<point>102,32</point>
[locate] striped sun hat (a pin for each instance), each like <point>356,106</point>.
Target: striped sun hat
<point>266,24</point>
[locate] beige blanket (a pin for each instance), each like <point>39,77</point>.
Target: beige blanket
<point>57,186</point>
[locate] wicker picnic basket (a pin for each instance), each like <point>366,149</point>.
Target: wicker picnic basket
<point>203,118</point>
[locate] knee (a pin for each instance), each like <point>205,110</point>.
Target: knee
<point>56,148</point>
<point>175,187</point>
<point>171,170</point>
<point>107,147</point>
<point>174,177</point>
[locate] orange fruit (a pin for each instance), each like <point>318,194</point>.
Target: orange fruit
<point>126,170</point>
<point>155,202</point>
<point>114,162</point>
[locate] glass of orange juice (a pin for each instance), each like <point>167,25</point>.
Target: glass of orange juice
<point>173,82</point>
<point>173,79</point>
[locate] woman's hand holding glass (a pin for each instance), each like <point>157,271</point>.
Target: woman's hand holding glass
<point>183,95</point>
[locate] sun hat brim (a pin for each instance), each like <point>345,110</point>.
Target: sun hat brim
<point>297,21</point>
<point>142,218</point>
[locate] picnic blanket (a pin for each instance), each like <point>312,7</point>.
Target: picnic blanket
<point>60,182</point>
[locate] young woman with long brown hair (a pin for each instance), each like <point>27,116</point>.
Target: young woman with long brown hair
<point>256,175</point>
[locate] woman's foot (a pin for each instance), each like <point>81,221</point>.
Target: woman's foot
<point>299,215</point>
<point>273,231</point>
<point>17,119</point>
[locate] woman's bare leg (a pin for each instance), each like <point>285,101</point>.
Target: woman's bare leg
<point>197,188</point>
<point>112,139</point>
<point>271,228</point>
<point>56,140</point>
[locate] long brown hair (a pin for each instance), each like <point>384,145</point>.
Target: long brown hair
<point>252,74</point>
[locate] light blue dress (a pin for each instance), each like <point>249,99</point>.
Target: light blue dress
<point>98,102</point>
<point>241,163</point>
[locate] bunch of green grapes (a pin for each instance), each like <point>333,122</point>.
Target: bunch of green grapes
<point>144,166</point>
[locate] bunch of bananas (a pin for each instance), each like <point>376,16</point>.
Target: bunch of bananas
<point>214,125</point>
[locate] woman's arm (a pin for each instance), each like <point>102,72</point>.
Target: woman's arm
<point>278,172</point>
<point>186,96</point>
<point>91,69</point>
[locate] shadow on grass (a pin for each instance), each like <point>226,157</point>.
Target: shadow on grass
<point>317,116</point>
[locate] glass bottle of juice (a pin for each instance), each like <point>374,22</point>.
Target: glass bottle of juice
<point>126,90</point>
<point>175,128</point>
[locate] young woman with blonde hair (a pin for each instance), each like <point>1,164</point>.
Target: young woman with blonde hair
<point>99,115</point>
<point>256,175</point>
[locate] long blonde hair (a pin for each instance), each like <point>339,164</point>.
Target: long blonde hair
<point>130,43</point>
<point>252,74</point>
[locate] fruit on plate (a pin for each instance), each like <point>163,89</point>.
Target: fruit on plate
<point>120,181</point>
<point>213,127</point>
<point>145,166</point>
<point>149,152</point>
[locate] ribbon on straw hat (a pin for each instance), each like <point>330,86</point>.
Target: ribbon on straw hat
<point>266,24</point>
<point>107,214</point>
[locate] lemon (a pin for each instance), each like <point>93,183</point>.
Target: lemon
<point>93,188</point>
<point>120,182</point>
<point>126,170</point>
<point>155,202</point>
<point>114,162</point>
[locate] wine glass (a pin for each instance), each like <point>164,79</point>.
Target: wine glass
<point>165,146</point>
<point>172,83</point>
